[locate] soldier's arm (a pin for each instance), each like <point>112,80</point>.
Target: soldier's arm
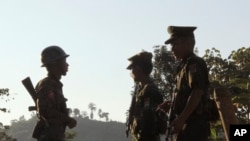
<point>154,95</point>
<point>193,102</point>
<point>197,81</point>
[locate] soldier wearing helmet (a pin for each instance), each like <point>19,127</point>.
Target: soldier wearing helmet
<point>51,103</point>
<point>142,120</point>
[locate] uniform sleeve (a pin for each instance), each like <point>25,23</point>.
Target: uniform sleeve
<point>47,105</point>
<point>152,97</point>
<point>197,74</point>
<point>151,100</point>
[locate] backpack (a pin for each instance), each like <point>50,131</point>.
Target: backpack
<point>211,110</point>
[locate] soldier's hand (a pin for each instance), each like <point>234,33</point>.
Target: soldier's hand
<point>164,107</point>
<point>177,125</point>
<point>71,123</point>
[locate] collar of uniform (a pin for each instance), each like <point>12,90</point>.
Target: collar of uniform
<point>183,62</point>
<point>187,56</point>
<point>55,78</point>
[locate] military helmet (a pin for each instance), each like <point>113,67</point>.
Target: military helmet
<point>52,54</point>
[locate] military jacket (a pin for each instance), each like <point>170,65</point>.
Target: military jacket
<point>191,72</point>
<point>147,99</point>
<point>51,102</point>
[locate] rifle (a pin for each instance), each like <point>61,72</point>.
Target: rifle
<point>30,88</point>
<point>169,129</point>
<point>131,110</point>
<point>171,117</point>
<point>42,123</point>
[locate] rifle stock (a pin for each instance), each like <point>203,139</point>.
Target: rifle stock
<point>30,88</point>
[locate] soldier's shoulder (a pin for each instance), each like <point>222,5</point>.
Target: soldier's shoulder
<point>45,83</point>
<point>151,88</point>
<point>196,60</point>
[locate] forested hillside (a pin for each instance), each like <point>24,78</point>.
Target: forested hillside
<point>86,130</point>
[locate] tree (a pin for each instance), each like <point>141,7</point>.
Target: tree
<point>164,69</point>
<point>241,58</point>
<point>76,112</point>
<point>239,84</point>
<point>217,67</point>
<point>70,111</point>
<point>105,115</point>
<point>100,114</point>
<point>92,108</point>
<point>84,114</point>
<point>232,73</point>
<point>5,137</point>
<point>4,94</point>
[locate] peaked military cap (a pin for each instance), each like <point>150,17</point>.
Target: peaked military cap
<point>142,58</point>
<point>180,31</point>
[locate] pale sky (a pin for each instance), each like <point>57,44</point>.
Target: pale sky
<point>100,35</point>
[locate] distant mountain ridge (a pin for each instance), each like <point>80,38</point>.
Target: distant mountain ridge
<point>86,130</point>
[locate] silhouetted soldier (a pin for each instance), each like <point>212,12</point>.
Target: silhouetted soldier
<point>142,122</point>
<point>187,118</point>
<point>51,103</point>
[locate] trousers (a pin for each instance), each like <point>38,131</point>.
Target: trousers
<point>196,130</point>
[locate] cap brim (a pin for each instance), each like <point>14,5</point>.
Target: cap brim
<point>168,41</point>
<point>65,56</point>
<point>129,67</point>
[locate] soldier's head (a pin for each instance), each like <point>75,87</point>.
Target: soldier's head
<point>182,40</point>
<point>54,59</point>
<point>140,65</point>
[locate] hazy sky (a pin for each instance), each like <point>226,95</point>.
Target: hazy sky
<point>100,35</point>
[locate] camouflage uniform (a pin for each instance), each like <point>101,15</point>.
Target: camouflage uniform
<point>143,117</point>
<point>52,109</point>
<point>51,103</point>
<point>191,72</point>
<point>192,75</point>
<point>144,126</point>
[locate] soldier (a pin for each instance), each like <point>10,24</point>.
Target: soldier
<point>188,120</point>
<point>142,121</point>
<point>51,103</point>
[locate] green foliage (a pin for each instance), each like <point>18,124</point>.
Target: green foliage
<point>76,112</point>
<point>4,91</point>
<point>4,95</point>
<point>5,137</point>
<point>69,135</point>
<point>92,108</point>
<point>233,72</point>
<point>219,72</point>
<point>164,69</point>
<point>102,114</point>
<point>86,130</point>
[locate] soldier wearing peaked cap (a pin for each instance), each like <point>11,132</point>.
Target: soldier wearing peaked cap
<point>51,103</point>
<point>188,120</point>
<point>142,122</point>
